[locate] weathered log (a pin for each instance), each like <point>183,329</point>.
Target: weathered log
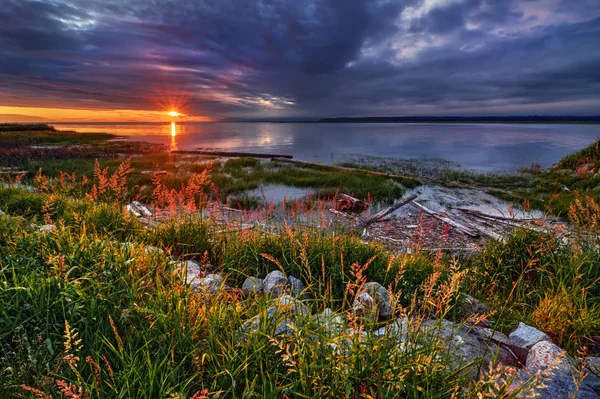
<point>496,217</point>
<point>447,220</point>
<point>233,154</point>
<point>385,212</point>
<point>350,204</point>
<point>348,169</point>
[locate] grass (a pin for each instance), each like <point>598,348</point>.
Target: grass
<point>87,309</point>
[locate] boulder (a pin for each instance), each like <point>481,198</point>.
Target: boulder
<point>397,328</point>
<point>364,306</point>
<point>526,336</point>
<point>291,305</point>
<point>281,318</point>
<point>212,283</point>
<point>46,228</point>
<point>192,272</point>
<point>373,301</point>
<point>564,386</point>
<point>252,285</point>
<point>275,283</point>
<point>297,286</point>
<point>471,306</point>
<point>547,355</point>
<point>466,346</point>
<point>329,322</point>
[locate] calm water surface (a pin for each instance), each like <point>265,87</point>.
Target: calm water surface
<point>485,147</point>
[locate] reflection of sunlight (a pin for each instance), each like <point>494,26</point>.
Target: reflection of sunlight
<point>173,136</point>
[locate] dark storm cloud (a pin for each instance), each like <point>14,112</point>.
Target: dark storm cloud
<point>237,58</point>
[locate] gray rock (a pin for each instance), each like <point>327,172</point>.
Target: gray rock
<point>192,272</point>
<point>46,228</point>
<point>526,336</point>
<point>286,327</point>
<point>275,283</point>
<point>297,286</point>
<point>471,306</point>
<point>280,318</point>
<point>547,355</point>
<point>152,249</point>
<point>291,305</point>
<point>212,283</point>
<point>488,333</point>
<point>329,322</point>
<point>593,364</point>
<point>563,386</point>
<point>2,213</point>
<point>397,328</point>
<point>465,347</point>
<point>372,302</point>
<point>364,306</point>
<point>252,285</point>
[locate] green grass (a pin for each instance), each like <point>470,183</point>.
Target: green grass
<point>144,334</point>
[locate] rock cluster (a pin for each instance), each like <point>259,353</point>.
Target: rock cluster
<point>469,348</point>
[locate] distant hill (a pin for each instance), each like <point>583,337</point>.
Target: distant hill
<point>465,119</point>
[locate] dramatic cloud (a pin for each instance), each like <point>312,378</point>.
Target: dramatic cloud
<point>313,58</point>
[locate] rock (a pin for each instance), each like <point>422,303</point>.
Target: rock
<point>2,213</point>
<point>286,327</point>
<point>192,271</point>
<point>488,333</point>
<point>544,355</point>
<point>564,386</point>
<point>291,305</point>
<point>252,285</point>
<point>593,363</point>
<point>373,301</point>
<point>280,317</point>
<point>364,305</point>
<point>297,286</point>
<point>275,283</point>
<point>471,306</point>
<point>398,328</point>
<point>526,336</point>
<point>329,322</point>
<point>212,283</point>
<point>466,347</point>
<point>151,249</point>
<point>46,228</point>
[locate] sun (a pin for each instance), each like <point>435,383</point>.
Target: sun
<point>174,113</point>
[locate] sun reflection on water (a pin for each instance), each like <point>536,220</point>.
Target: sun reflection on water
<point>173,137</point>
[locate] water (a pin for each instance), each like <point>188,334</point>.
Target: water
<point>484,147</point>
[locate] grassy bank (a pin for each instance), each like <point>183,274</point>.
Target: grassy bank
<point>97,307</point>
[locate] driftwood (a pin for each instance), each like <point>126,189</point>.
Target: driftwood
<point>447,220</point>
<point>340,213</point>
<point>385,212</point>
<point>235,154</point>
<point>347,169</point>
<point>494,217</point>
<point>350,204</point>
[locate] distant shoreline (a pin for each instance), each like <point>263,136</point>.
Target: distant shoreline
<point>584,120</point>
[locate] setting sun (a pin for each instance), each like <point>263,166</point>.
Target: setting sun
<point>174,113</point>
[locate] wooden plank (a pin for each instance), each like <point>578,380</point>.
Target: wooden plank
<point>233,154</point>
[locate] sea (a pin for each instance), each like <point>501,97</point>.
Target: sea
<point>481,147</point>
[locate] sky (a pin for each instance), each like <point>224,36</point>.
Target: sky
<point>135,60</point>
